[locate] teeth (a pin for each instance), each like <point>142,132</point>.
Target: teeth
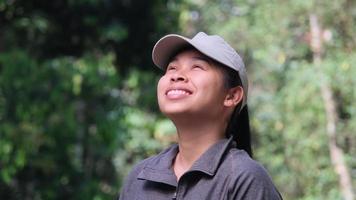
<point>177,92</point>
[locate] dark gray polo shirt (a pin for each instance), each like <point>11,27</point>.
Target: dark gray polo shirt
<point>222,172</point>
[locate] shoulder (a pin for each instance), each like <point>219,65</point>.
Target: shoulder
<point>243,164</point>
<point>249,176</point>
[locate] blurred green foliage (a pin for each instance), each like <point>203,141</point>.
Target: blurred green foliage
<point>77,107</point>
<point>78,97</point>
<point>57,125</point>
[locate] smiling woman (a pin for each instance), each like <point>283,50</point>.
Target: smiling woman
<point>204,92</point>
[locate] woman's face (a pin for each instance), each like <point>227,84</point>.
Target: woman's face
<point>192,85</point>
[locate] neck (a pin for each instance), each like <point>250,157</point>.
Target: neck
<point>194,138</point>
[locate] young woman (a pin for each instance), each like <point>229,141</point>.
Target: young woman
<point>204,93</point>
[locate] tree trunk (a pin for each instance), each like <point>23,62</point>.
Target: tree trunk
<point>336,153</point>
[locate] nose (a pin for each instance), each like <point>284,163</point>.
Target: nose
<point>176,77</point>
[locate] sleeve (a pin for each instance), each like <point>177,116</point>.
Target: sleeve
<point>253,183</point>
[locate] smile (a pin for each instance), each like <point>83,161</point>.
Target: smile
<point>178,92</point>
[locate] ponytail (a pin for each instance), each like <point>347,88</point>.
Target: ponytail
<point>239,129</point>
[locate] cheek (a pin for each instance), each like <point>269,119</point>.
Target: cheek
<point>215,89</point>
<point>161,86</point>
<point>211,83</point>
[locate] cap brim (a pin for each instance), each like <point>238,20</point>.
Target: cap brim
<point>166,47</point>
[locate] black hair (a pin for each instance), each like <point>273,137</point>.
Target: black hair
<point>239,123</point>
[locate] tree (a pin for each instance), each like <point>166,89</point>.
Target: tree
<point>336,153</point>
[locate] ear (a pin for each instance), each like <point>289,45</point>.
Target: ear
<point>234,96</point>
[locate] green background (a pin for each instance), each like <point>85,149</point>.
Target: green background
<point>78,98</point>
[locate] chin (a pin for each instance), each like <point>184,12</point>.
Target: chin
<point>173,112</point>
<point>172,108</point>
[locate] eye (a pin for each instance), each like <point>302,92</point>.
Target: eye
<point>170,68</point>
<point>198,67</point>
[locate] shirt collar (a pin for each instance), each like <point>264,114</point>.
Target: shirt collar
<point>209,162</point>
<point>159,168</point>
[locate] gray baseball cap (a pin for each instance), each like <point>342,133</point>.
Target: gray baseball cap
<point>212,46</point>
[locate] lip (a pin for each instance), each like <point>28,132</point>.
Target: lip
<point>178,92</point>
